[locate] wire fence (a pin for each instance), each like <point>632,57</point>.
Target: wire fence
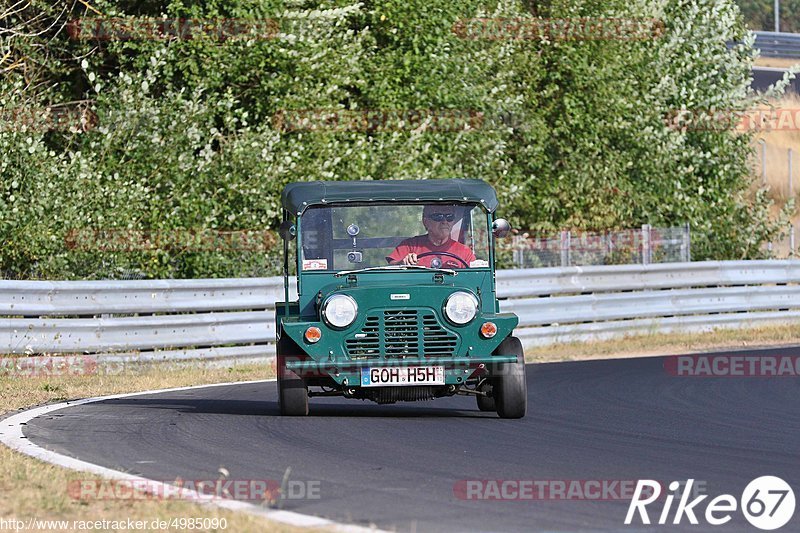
<point>635,246</point>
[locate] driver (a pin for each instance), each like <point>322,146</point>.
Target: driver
<point>438,220</point>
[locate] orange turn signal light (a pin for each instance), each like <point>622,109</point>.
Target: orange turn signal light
<point>488,330</point>
<point>313,334</point>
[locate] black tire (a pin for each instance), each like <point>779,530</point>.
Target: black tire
<point>292,394</point>
<point>510,387</point>
<point>486,403</point>
<point>292,389</point>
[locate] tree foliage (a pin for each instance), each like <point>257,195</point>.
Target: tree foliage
<point>186,136</point>
<point>759,15</point>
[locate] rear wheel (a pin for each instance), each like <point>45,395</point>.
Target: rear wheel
<point>510,390</point>
<point>486,403</point>
<point>292,389</point>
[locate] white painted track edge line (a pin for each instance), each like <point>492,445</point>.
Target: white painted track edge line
<point>11,435</point>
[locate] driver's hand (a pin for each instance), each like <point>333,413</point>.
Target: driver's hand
<point>410,259</point>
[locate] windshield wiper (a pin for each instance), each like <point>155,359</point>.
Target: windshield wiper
<point>396,267</point>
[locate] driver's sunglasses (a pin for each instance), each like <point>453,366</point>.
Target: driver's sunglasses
<point>438,217</point>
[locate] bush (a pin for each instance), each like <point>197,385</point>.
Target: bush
<point>187,136</point>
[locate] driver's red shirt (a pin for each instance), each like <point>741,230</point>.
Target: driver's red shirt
<point>421,244</point>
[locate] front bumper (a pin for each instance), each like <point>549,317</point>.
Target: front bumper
<point>457,370</point>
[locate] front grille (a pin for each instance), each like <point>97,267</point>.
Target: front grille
<point>399,333</point>
<point>437,340</point>
<point>366,343</point>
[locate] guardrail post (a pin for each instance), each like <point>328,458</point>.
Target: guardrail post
<point>686,252</point>
<point>519,254</point>
<point>646,249</point>
<point>791,185</point>
<point>791,240</point>
<point>763,144</point>
<point>777,13</point>
<point>565,248</point>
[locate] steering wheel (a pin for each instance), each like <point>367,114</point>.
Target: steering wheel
<point>448,254</point>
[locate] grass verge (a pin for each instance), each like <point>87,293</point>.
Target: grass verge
<point>33,489</point>
<point>668,344</point>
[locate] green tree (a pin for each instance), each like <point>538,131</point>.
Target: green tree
<point>188,136</point>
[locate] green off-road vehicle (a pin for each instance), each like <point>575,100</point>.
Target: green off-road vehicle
<point>396,296</point>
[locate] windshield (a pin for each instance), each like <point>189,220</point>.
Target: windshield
<point>450,236</point>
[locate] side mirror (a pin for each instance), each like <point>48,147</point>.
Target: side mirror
<point>287,231</point>
<point>500,228</point>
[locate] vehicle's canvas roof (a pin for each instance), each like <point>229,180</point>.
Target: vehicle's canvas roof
<point>296,197</point>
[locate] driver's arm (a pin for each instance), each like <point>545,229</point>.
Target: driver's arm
<point>402,255</point>
<point>409,259</point>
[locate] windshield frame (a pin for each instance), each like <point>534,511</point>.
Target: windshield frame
<point>487,217</point>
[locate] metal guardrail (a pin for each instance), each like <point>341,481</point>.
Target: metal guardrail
<point>233,319</point>
<point>778,44</point>
<point>571,280</point>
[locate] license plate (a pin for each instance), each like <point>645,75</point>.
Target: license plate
<point>407,375</point>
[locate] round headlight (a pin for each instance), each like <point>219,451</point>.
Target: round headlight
<point>460,307</point>
<point>339,311</point>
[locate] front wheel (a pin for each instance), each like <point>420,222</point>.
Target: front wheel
<point>510,389</point>
<point>292,392</point>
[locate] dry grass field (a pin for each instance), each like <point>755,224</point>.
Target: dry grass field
<point>775,62</point>
<point>773,143</point>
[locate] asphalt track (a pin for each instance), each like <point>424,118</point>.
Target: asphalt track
<point>396,466</point>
